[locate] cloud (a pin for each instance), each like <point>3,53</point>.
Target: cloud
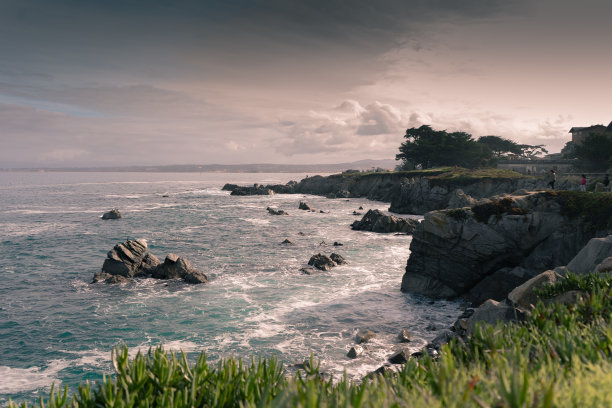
<point>349,127</point>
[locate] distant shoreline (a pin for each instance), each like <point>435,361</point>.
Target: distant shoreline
<point>221,168</point>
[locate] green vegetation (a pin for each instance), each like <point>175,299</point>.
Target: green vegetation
<point>429,148</point>
<point>561,356</point>
<point>458,214</point>
<point>595,208</point>
<point>571,281</point>
<point>483,212</point>
<point>595,152</point>
<point>426,148</point>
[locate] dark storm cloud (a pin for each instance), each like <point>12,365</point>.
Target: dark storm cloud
<point>201,81</point>
<point>140,34</point>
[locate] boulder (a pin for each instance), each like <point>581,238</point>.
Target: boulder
<point>589,257</point>
<point>177,267</point>
<point>523,296</point>
<point>304,206</point>
<point>404,336</point>
<point>287,242</point>
<point>321,262</point>
<point>566,298</point>
<point>130,259</point>
<point>377,221</point>
<point>497,285</point>
<point>491,312</point>
<point>458,199</point>
<point>399,357</point>
<point>338,259</point>
<point>605,266</point>
<point>126,259</point>
<point>381,371</point>
<point>113,214</point>
<point>275,211</point>
<point>442,338</point>
<point>355,352</point>
<point>336,243</point>
<point>363,336</point>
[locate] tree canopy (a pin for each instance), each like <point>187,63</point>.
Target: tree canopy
<point>595,152</point>
<point>500,146</point>
<point>430,148</point>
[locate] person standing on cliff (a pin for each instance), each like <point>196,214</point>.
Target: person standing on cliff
<point>552,177</point>
<point>583,183</point>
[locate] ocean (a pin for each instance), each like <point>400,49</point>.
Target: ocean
<point>57,327</point>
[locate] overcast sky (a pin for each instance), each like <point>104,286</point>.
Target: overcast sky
<point>122,82</point>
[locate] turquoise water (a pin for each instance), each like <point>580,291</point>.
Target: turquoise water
<point>56,327</point>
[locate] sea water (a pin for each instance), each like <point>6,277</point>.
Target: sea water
<point>58,327</point>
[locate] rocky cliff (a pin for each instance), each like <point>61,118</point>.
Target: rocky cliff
<point>410,192</point>
<point>486,250</point>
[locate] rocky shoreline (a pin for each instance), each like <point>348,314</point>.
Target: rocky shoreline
<point>490,241</point>
<point>408,192</point>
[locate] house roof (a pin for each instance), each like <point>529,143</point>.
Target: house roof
<point>594,127</point>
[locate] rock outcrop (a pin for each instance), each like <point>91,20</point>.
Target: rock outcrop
<point>130,259</point>
<point>113,214</point>
<point>324,262</point>
<point>494,246</point>
<point>304,206</point>
<point>255,189</point>
<point>275,211</point>
<point>377,221</point>
<point>413,192</point>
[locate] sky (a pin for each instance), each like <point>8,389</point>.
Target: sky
<point>134,82</point>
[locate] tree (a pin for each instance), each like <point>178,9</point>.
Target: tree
<point>569,150</point>
<point>531,151</point>
<point>429,148</point>
<point>499,145</point>
<point>595,152</point>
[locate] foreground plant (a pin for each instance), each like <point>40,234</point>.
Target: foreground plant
<point>560,357</point>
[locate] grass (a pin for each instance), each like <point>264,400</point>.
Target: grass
<point>595,208</point>
<point>561,356</point>
<point>483,212</point>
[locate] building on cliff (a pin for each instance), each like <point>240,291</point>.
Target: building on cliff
<point>579,133</point>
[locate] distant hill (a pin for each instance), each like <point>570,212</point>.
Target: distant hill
<point>231,168</point>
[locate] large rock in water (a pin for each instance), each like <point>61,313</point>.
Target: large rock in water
<point>467,251</point>
<point>377,221</point>
<point>175,267</point>
<point>130,259</point>
<point>113,214</point>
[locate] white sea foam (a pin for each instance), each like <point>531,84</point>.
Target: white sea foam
<point>16,380</point>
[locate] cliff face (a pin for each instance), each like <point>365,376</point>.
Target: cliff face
<point>419,195</point>
<point>486,250</point>
<point>418,192</point>
<point>377,186</point>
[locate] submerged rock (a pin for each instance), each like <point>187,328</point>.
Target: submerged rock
<point>322,262</point>
<point>355,352</point>
<point>363,336</point>
<point>275,211</point>
<point>404,336</point>
<point>338,259</point>
<point>113,214</point>
<point>399,357</point>
<point>304,206</point>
